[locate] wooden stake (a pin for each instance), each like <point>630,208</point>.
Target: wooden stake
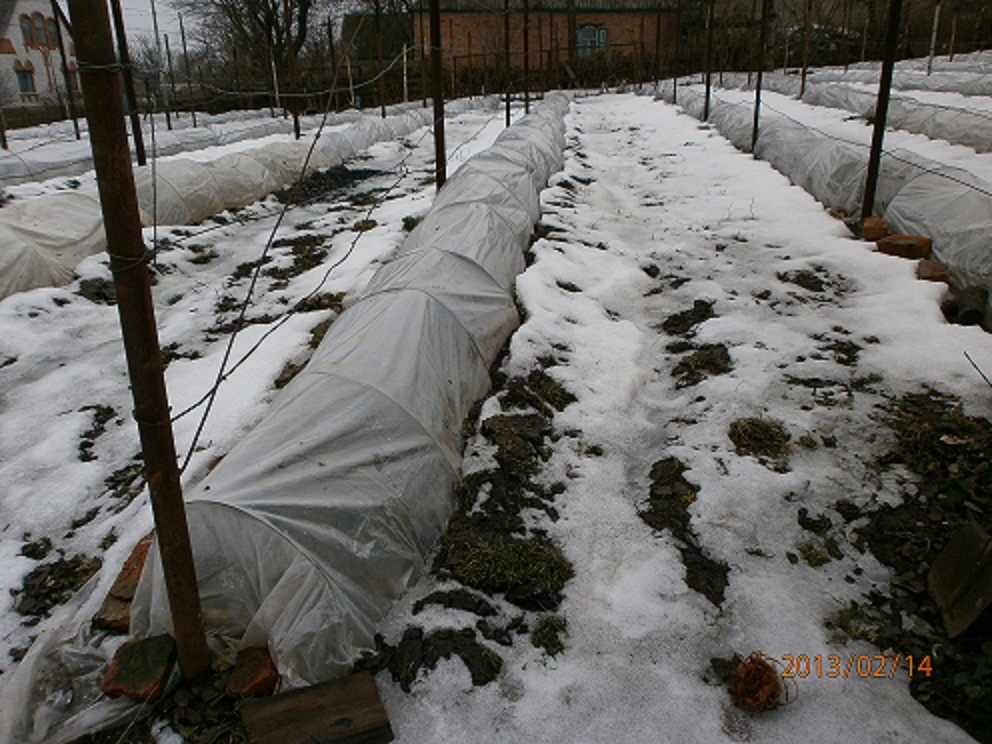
<point>378,49</point>
<point>506,56</point>
<point>189,76</point>
<point>66,75</point>
<point>291,70</point>
<point>526,56</point>
<point>440,165</point>
<point>710,11</point>
<point>132,98</point>
<point>807,12</point>
<point>762,36</point>
<point>933,35</point>
<point>128,261</point>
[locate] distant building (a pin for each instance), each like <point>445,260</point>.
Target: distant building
<point>30,65</point>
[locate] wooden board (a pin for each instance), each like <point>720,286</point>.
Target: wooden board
<point>344,711</point>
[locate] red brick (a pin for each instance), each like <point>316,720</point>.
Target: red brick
<point>874,228</point>
<point>254,674</point>
<point>140,668</point>
<point>115,613</point>
<point>905,246</point>
<point>933,271</point>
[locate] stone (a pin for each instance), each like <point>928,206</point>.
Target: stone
<point>905,246</point>
<point>933,271</point>
<point>874,228</point>
<point>140,668</point>
<point>254,674</point>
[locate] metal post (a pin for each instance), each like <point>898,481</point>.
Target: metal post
<point>881,108</point>
<point>189,76</point>
<point>126,248</point>
<point>807,11</point>
<point>132,98</point>
<point>762,36</point>
<point>526,56</point>
<point>440,165</point>
<point>933,35</point>
<point>709,58</point>
<point>378,49</point>
<point>506,56</point>
<point>66,75</point>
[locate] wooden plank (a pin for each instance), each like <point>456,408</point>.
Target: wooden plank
<point>345,711</point>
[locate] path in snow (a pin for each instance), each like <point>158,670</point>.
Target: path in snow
<point>653,214</point>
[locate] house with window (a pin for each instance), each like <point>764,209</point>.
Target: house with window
<point>30,60</point>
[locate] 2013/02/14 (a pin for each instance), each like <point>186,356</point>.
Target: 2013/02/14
<point>860,665</point>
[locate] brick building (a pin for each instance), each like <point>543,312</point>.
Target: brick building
<point>30,64</point>
<point>472,32</point>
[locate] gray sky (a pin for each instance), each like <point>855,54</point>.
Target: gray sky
<point>138,18</point>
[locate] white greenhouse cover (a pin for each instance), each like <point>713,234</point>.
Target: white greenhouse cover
<point>43,239</point>
<point>316,522</point>
<point>915,195</point>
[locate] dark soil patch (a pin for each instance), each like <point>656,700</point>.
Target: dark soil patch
<point>538,390</point>
<point>681,324</point>
<point>246,269</point>
<point>804,278</point>
<point>547,634</point>
<point>416,651</point>
<point>99,290</point>
<point>101,415</point>
<point>171,352</point>
<point>843,350</point>
<point>709,359</point>
<point>126,483</point>
<point>38,549</point>
<point>667,507</point>
<point>322,301</point>
<point>324,183</point>
<point>238,323</point>
<point>457,599</point>
<point>759,437</point>
<point>948,451</point>
<point>307,252</point>
<point>53,583</point>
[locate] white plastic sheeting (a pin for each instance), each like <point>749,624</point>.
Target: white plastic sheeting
<point>915,195</point>
<point>313,525</point>
<point>42,239</point>
<point>956,124</point>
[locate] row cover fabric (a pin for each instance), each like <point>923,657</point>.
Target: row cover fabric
<point>915,195</point>
<point>951,123</point>
<point>314,524</point>
<point>322,515</point>
<point>43,239</point>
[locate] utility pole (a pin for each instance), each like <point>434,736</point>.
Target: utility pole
<point>132,98</point>
<point>440,165</point>
<point>70,89</point>
<point>881,109</point>
<point>762,36</point>
<point>128,263</point>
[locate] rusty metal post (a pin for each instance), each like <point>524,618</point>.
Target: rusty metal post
<point>440,165</point>
<point>105,114</point>
<point>881,109</point>
<point>762,36</point>
<point>132,98</point>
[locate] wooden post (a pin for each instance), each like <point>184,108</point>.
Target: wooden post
<point>933,35</point>
<point>710,11</point>
<point>158,70</point>
<point>334,63</point>
<point>506,56</point>
<point>526,56</point>
<point>657,46</point>
<point>189,75</point>
<point>128,259</point>
<point>807,12</point>
<point>423,56</point>
<point>573,34</point>
<point>275,80</point>
<point>378,51</point>
<point>678,44</point>
<point>954,33</point>
<point>762,36</point>
<point>881,109</point>
<point>3,132</point>
<point>351,79</point>
<point>440,165</point>
<point>132,98</point>
<point>172,76</point>
<point>70,89</point>
<point>406,85</point>
<point>293,103</point>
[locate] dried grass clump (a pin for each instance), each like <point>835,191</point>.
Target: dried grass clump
<point>756,686</point>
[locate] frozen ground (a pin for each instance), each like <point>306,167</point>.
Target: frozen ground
<point>654,215</point>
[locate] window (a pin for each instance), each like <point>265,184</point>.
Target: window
<point>27,32</point>
<point>53,33</point>
<point>40,33</point>
<point>591,39</point>
<point>25,81</point>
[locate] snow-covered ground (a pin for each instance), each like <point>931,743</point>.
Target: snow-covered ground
<point>653,215</point>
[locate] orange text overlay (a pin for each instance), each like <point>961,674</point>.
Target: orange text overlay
<point>854,665</point>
